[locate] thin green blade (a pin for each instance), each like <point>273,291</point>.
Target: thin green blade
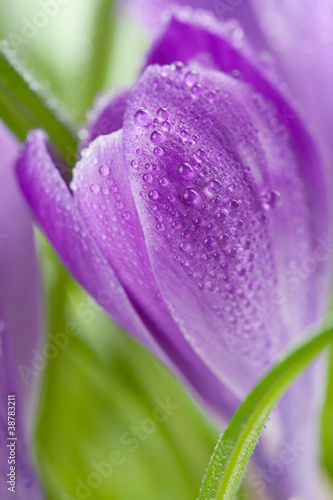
<point>24,105</point>
<point>235,446</point>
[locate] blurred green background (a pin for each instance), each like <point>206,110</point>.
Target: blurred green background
<point>101,387</point>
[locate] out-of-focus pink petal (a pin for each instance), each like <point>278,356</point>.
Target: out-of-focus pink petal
<point>107,116</point>
<point>155,14</point>
<point>15,464</point>
<point>301,36</point>
<point>20,287</point>
<point>20,330</point>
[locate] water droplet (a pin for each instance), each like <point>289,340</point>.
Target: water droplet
<point>185,135</point>
<point>197,89</point>
<point>234,205</point>
<point>232,252</point>
<point>158,152</point>
<point>191,78</point>
<point>163,181</point>
<point>224,238</point>
<point>160,226</point>
<point>154,195</point>
<point>166,126</point>
<point>139,151</point>
<point>186,171</point>
<point>104,171</point>
<point>190,196</point>
<point>126,215</point>
<point>163,114</point>
<point>95,188</point>
<point>214,186</point>
<point>209,241</point>
<point>186,247</point>
<point>134,163</point>
<point>157,137</point>
<point>271,199</point>
<point>148,178</point>
<point>200,154</point>
<point>119,205</point>
<point>142,118</point>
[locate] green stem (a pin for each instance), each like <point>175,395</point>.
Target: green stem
<point>235,446</point>
<point>24,106</point>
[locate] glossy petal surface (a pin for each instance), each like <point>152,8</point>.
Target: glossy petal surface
<point>62,220</point>
<point>224,213</point>
<point>53,205</point>
<point>105,201</point>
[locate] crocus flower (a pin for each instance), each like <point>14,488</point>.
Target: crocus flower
<point>198,217</point>
<point>20,329</point>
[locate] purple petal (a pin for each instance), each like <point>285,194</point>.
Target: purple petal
<point>20,324</point>
<point>105,201</point>
<point>154,14</point>
<point>301,35</point>
<point>231,190</point>
<point>54,208</point>
<point>24,483</point>
<point>20,288</point>
<point>88,258</point>
<point>107,116</point>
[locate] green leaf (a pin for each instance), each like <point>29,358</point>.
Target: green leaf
<point>100,387</point>
<point>25,105</point>
<point>327,419</point>
<point>236,445</point>
<point>102,38</point>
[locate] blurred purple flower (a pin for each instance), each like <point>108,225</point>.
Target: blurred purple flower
<point>20,325</point>
<point>199,219</point>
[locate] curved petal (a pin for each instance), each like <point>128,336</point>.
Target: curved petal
<point>53,206</point>
<point>105,201</point>
<point>20,287</point>
<point>236,57</point>
<point>106,117</point>
<point>155,14</point>
<point>301,35</point>
<point>20,325</point>
<point>24,483</point>
<point>226,212</point>
<point>68,227</point>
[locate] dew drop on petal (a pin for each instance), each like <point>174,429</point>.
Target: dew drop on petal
<point>191,78</point>
<point>157,137</point>
<point>104,171</point>
<point>186,171</point>
<point>148,178</point>
<point>126,215</point>
<point>271,199</point>
<point>163,114</point>
<point>214,186</point>
<point>142,118</point>
<point>190,196</point>
<point>158,151</point>
<point>154,195</point>
<point>94,188</point>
